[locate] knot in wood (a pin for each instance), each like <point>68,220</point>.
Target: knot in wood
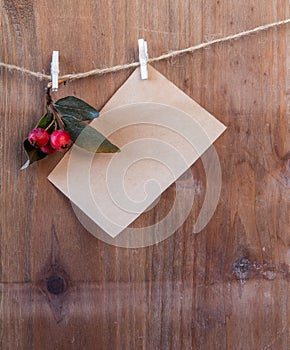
<point>55,284</point>
<point>241,268</point>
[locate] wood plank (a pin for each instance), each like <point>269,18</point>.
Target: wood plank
<point>224,288</point>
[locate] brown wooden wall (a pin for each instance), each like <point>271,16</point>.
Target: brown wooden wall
<point>224,288</point>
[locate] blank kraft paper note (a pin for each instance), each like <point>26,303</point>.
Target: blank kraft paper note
<point>161,132</point>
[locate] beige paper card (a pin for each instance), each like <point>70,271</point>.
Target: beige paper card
<point>161,132</point>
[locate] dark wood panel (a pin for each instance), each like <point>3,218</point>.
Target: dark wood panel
<point>224,288</point>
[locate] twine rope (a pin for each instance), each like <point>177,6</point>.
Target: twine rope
<point>97,71</point>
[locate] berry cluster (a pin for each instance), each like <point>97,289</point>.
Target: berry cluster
<point>58,140</point>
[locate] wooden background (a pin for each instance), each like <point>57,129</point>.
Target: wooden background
<point>224,288</point>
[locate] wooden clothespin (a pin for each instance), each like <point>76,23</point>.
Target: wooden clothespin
<point>143,58</point>
<point>54,70</point>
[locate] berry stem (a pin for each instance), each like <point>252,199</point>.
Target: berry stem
<point>50,125</point>
<point>49,85</point>
<point>56,116</point>
<point>51,108</point>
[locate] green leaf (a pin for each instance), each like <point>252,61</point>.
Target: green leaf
<point>33,154</point>
<point>87,137</point>
<point>74,107</point>
<point>46,122</point>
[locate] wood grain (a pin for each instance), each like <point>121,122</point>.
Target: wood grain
<point>224,288</point>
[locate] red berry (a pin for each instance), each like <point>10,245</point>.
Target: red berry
<point>38,137</point>
<point>47,149</point>
<point>60,140</point>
